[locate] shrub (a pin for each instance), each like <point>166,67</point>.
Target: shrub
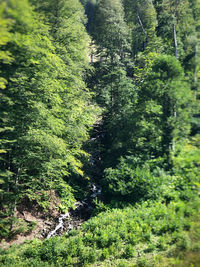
<point>133,180</point>
<point>129,251</point>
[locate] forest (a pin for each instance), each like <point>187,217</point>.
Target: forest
<point>100,133</point>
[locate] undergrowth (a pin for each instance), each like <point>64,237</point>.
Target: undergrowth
<point>135,236</point>
<point>162,229</point>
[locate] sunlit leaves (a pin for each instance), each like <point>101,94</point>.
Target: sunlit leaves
<point>50,110</point>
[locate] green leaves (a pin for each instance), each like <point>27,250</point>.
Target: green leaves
<point>141,18</point>
<point>164,101</point>
<point>110,30</point>
<point>133,180</point>
<point>50,110</point>
<point>150,229</point>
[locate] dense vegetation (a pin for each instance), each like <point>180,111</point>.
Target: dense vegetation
<point>46,108</point>
<point>105,92</point>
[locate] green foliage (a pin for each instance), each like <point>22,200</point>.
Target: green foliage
<point>164,102</point>
<point>132,180</point>
<point>47,112</point>
<point>141,18</point>
<point>178,14</point>
<point>50,110</point>
<point>12,226</point>
<point>65,192</point>
<point>186,164</point>
<point>134,233</point>
<point>111,41</point>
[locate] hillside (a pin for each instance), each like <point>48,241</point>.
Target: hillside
<point>99,132</point>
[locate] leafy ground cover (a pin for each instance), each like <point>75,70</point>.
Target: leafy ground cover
<point>149,234</point>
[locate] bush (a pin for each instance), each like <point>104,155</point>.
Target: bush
<point>133,180</point>
<point>134,232</point>
<point>88,255</point>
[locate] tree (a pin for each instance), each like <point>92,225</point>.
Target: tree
<point>166,89</point>
<point>90,6</point>
<point>49,123</point>
<point>113,88</point>
<point>66,21</point>
<point>175,25</point>
<point>141,18</point>
<point>5,104</point>
<point>110,31</point>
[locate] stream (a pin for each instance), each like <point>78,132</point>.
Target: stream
<point>73,218</point>
<point>83,211</point>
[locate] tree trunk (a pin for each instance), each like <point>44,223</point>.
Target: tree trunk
<point>195,73</point>
<point>175,42</point>
<point>141,24</point>
<point>176,55</point>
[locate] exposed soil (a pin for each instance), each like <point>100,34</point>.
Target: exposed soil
<point>40,223</point>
